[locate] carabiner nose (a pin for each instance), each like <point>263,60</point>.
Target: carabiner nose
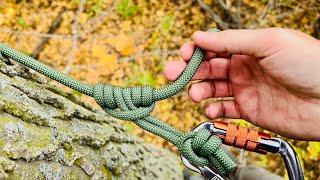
<point>291,160</point>
<point>260,142</point>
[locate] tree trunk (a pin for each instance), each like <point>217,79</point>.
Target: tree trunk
<point>46,133</point>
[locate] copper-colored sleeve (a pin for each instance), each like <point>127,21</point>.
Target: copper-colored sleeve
<point>253,140</point>
<point>241,137</point>
<point>231,134</point>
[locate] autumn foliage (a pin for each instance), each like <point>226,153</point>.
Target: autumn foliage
<point>127,42</point>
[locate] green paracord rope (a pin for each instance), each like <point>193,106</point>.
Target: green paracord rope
<point>137,103</point>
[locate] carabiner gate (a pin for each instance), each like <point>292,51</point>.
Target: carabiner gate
<point>250,140</point>
<point>207,172</point>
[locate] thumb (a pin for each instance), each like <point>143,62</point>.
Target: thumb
<point>258,43</point>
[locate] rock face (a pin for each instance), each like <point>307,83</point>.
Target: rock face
<point>46,133</point>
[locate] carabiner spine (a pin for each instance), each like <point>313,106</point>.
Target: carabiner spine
<point>256,141</point>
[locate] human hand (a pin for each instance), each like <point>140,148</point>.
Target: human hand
<point>273,75</point>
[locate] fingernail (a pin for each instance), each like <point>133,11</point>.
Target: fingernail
<point>197,35</point>
<point>206,112</point>
<point>199,94</point>
<point>196,93</point>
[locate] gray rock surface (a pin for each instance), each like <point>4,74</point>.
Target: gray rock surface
<point>46,133</point>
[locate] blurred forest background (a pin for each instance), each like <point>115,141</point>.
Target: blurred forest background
<point>128,42</point>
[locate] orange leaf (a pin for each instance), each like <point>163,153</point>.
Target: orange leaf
<point>123,44</point>
<point>107,61</point>
<point>207,1</point>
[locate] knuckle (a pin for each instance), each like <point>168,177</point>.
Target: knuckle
<point>226,36</point>
<point>280,33</point>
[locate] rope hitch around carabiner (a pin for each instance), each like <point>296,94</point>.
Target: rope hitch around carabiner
<point>137,103</point>
<point>200,149</point>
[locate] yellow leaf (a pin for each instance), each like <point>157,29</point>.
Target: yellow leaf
<point>123,44</point>
<point>83,18</point>
<point>108,62</point>
<point>126,25</point>
<point>10,12</point>
<point>207,1</point>
<point>314,150</point>
<point>1,19</point>
<point>98,51</point>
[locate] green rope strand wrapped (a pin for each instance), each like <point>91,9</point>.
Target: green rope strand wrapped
<point>137,103</point>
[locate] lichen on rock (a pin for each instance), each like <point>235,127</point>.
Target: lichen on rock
<point>46,135</point>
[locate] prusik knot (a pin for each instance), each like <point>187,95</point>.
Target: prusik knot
<point>201,148</point>
<point>137,103</point>
<point>132,103</point>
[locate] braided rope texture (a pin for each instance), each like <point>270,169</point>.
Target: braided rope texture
<point>136,104</point>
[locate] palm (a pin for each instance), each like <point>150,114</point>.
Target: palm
<point>279,90</point>
<point>264,100</point>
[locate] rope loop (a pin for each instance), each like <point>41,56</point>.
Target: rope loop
<point>137,103</point>
<point>201,148</point>
<point>132,103</point>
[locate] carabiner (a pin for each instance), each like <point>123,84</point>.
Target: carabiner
<point>250,140</point>
<point>208,172</point>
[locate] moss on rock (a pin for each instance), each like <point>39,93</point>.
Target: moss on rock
<point>44,135</point>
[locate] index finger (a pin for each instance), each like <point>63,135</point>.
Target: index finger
<point>216,68</point>
<point>257,43</point>
<point>187,50</point>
